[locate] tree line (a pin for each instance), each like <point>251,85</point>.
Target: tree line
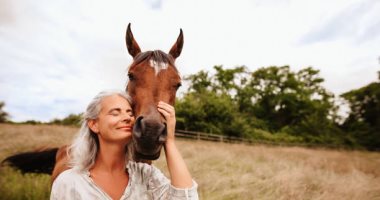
<point>274,104</point>
<point>70,120</point>
<point>280,105</point>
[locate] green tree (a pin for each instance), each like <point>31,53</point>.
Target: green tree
<point>285,98</point>
<point>3,115</point>
<point>229,81</point>
<point>363,121</point>
<point>237,102</point>
<point>199,82</point>
<point>207,112</point>
<point>292,102</point>
<point>33,122</point>
<point>209,106</point>
<point>70,120</point>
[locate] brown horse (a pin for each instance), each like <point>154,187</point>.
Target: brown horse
<point>153,77</point>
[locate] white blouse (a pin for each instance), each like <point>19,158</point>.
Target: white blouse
<point>145,182</point>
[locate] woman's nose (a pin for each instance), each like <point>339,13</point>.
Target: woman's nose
<point>127,117</point>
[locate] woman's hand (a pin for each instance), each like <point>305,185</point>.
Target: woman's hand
<point>168,112</point>
<point>179,174</point>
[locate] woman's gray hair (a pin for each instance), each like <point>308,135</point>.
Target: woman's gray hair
<point>83,150</point>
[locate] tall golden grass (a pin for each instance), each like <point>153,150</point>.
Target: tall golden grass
<point>223,171</point>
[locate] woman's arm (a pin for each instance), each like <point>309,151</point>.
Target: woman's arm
<point>179,174</point>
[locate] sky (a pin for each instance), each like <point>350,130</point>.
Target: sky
<point>55,56</point>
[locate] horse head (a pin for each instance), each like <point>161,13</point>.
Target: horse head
<point>153,77</point>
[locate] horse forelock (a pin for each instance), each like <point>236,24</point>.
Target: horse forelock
<point>158,60</point>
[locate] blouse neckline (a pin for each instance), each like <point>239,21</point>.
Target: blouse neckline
<point>127,190</point>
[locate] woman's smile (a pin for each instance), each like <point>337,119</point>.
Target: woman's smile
<point>125,128</point>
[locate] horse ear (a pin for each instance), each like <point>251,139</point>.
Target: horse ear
<point>176,49</point>
<point>133,47</point>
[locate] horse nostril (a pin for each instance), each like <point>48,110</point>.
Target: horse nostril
<point>138,127</point>
<point>149,131</point>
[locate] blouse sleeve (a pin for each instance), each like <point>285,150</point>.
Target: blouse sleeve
<point>161,187</point>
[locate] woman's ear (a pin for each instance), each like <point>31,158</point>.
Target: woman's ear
<point>93,125</point>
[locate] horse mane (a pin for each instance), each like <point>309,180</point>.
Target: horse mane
<point>158,59</point>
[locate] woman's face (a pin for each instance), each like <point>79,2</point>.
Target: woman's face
<point>115,120</point>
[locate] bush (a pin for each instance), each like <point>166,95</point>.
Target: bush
<point>70,120</point>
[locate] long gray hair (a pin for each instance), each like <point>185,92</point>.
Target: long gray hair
<point>83,151</point>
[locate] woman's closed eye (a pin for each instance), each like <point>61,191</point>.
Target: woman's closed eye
<point>114,112</point>
<point>130,114</point>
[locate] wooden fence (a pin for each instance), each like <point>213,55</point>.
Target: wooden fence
<point>230,139</point>
<point>209,137</point>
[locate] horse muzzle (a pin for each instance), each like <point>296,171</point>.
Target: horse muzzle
<point>149,135</point>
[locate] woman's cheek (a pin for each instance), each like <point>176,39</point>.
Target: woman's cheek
<point>116,120</point>
<point>112,121</point>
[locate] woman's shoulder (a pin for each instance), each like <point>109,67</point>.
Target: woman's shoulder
<point>69,176</point>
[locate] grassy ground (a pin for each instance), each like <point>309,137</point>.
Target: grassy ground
<point>223,171</point>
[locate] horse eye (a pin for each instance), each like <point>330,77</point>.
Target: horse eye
<point>131,77</point>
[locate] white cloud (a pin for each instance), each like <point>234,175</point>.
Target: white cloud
<point>56,55</point>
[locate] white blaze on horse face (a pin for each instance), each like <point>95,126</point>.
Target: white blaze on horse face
<point>158,66</point>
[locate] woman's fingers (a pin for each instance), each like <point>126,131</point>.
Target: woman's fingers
<point>169,114</point>
<point>165,105</point>
<point>164,112</point>
<point>168,108</point>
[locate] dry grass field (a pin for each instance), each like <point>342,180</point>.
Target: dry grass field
<point>223,171</point>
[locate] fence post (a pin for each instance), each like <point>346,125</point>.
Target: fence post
<point>198,136</point>
<point>221,138</point>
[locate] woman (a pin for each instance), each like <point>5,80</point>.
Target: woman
<point>101,163</point>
